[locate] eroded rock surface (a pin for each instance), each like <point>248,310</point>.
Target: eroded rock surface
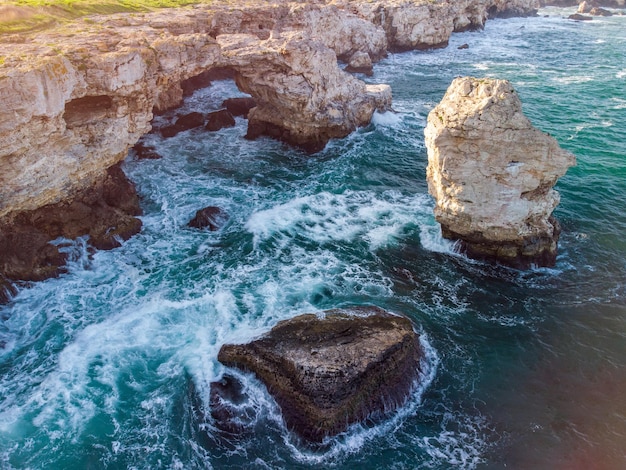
<point>332,371</point>
<point>492,174</point>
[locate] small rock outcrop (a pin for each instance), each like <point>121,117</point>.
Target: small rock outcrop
<point>183,123</point>
<point>210,217</point>
<point>492,174</point>
<point>579,17</point>
<point>329,372</point>
<point>219,120</point>
<point>239,106</point>
<point>360,62</point>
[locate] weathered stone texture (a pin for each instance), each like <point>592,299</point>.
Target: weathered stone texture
<point>491,174</point>
<point>332,371</point>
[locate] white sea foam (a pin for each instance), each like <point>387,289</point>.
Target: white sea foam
<point>351,216</point>
<point>621,74</point>
<point>573,79</point>
<point>387,119</point>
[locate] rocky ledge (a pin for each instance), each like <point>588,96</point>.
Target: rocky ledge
<point>329,372</point>
<point>492,174</point>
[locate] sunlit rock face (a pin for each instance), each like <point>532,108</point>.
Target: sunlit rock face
<point>492,174</point>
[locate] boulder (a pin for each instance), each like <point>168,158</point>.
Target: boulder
<point>219,120</point>
<point>492,174</point>
<point>239,106</point>
<point>328,372</point>
<point>183,123</point>
<point>360,62</point>
<point>210,217</point>
<point>579,17</point>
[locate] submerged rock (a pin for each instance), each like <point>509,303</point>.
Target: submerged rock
<point>491,174</point>
<point>329,372</point>
<point>145,152</point>
<point>210,217</point>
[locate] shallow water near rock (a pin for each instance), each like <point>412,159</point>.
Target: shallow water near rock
<point>109,366</point>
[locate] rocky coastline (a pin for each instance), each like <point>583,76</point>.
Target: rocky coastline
<point>77,98</point>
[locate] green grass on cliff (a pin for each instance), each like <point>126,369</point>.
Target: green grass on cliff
<point>21,16</point>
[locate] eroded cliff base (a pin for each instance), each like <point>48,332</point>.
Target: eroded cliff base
<point>105,211</point>
<point>525,253</point>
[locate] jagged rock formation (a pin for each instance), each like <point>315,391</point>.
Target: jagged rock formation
<point>491,174</point>
<point>76,99</point>
<point>332,371</point>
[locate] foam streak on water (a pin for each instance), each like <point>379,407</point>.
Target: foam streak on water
<point>109,366</point>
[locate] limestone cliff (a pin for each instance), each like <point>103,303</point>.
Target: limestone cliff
<point>76,98</point>
<point>492,174</point>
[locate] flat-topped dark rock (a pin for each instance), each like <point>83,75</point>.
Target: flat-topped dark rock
<point>329,372</point>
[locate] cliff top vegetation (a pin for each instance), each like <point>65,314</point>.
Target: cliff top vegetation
<point>20,16</point>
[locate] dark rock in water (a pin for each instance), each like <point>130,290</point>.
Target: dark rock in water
<point>328,373</point>
<point>210,217</point>
<point>463,46</point>
<point>190,121</point>
<point>7,290</point>
<point>183,123</point>
<point>239,106</point>
<point>579,17</point>
<point>219,120</point>
<point>105,211</point>
<point>145,152</point>
<point>225,402</point>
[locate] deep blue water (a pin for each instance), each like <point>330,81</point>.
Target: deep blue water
<point>104,367</point>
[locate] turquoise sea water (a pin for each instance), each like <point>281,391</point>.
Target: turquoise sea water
<point>109,366</point>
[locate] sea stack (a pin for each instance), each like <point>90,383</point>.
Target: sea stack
<point>327,372</point>
<point>492,175</point>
